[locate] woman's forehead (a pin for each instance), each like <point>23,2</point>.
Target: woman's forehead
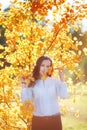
<point>48,62</point>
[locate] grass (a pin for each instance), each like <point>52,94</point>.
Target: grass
<point>70,123</point>
<point>76,117</point>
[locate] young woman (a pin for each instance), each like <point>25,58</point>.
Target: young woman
<point>45,91</point>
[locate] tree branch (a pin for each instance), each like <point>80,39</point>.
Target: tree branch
<point>57,32</point>
<point>4,98</point>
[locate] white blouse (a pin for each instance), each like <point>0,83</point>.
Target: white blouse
<point>45,94</point>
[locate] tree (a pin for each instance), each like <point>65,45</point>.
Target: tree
<point>29,34</point>
<point>82,65</point>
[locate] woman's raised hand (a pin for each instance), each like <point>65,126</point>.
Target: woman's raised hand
<point>23,82</point>
<point>61,73</point>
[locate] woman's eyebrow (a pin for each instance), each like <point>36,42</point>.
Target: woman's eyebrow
<point>48,65</point>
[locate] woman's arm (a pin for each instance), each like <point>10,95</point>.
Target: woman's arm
<point>26,93</point>
<point>61,85</point>
<point>63,93</point>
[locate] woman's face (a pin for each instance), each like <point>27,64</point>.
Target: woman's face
<point>44,68</point>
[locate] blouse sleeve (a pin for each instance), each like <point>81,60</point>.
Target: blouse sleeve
<point>61,89</point>
<point>26,94</point>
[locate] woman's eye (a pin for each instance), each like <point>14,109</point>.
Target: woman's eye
<point>42,65</point>
<point>45,66</point>
<point>48,66</point>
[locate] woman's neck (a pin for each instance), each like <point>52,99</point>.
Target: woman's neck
<point>44,77</point>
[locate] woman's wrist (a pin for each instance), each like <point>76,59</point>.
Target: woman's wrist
<point>61,75</point>
<point>62,79</point>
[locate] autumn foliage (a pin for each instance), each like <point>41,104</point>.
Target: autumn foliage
<point>30,32</point>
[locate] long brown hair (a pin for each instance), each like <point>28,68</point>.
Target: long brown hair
<point>36,74</point>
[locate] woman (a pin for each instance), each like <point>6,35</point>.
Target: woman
<point>45,91</point>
